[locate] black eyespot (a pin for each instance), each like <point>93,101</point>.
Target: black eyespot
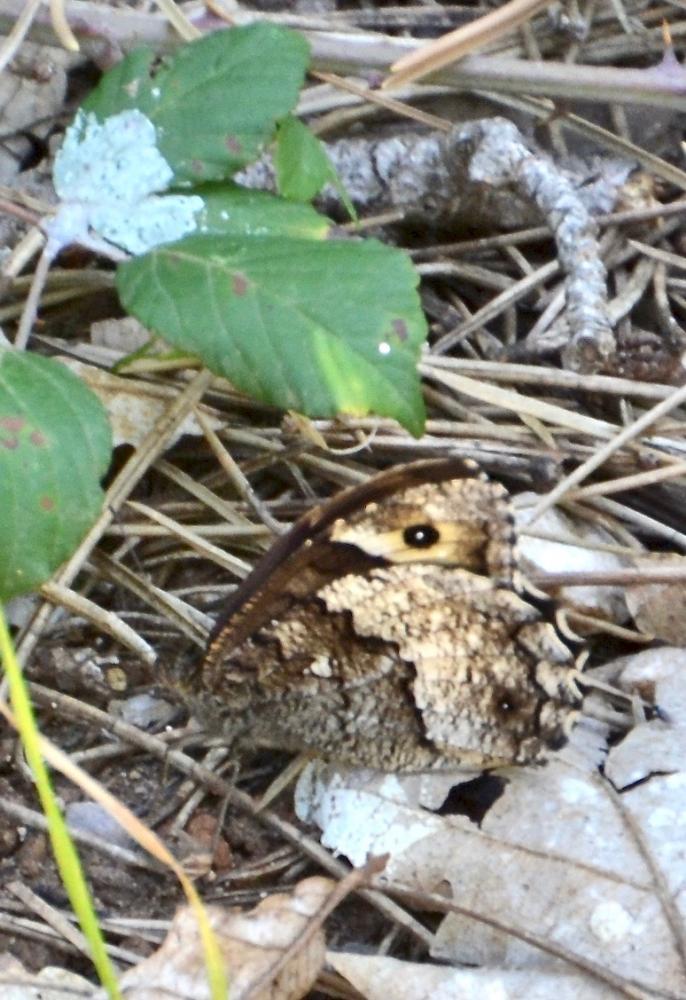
<point>506,704</point>
<point>421,536</point>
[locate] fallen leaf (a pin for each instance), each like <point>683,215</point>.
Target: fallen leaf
<point>545,556</point>
<point>250,944</point>
<point>656,746</point>
<point>51,983</point>
<point>378,977</point>
<point>133,405</point>
<point>123,334</point>
<point>659,609</point>
<point>554,870</point>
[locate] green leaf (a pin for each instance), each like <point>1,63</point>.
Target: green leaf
<point>55,446</point>
<point>302,166</point>
<point>215,101</point>
<point>231,210</point>
<point>321,327</point>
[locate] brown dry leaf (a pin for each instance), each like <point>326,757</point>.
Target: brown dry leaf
<point>659,609</point>
<point>133,405</point>
<point>203,830</point>
<point>251,943</point>
<point>553,859</point>
<point>379,977</point>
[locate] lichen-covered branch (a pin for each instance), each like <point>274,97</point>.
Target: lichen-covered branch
<point>483,176</point>
<point>501,158</point>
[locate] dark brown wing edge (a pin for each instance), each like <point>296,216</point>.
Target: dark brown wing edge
<point>291,551</point>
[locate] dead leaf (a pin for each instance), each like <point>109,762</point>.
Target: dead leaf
<point>555,869</point>
<point>124,334</point>
<point>656,747</point>
<point>202,828</point>
<point>545,556</point>
<point>659,609</point>
<point>133,405</point>
<point>250,943</point>
<point>51,983</point>
<point>379,977</point>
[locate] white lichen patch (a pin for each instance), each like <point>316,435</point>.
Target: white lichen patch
<point>107,175</point>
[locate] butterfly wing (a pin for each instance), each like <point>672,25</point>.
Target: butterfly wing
<point>383,630</point>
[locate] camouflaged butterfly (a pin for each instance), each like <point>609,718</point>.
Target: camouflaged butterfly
<point>385,630</point>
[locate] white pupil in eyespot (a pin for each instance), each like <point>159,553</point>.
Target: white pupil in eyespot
<point>420,536</point>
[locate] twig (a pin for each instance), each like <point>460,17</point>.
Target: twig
<point>351,883</point>
<point>178,20</point>
<point>553,378</point>
<point>32,819</point>
<point>669,471</point>
<point>501,157</point>
<point>650,526</point>
<point>61,26</point>
<point>105,621</point>
<point>153,445</point>
<point>187,619</point>
<point>449,48</point>
<point>222,788</point>
<point>50,915</point>
<point>18,31</point>
<point>94,24</point>
<point>610,577</point>
<point>31,305</point>
<point>510,400</point>
<point>594,462</point>
<point>226,560</point>
<point>234,473</point>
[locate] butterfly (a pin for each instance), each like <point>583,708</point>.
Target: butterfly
<point>388,629</point>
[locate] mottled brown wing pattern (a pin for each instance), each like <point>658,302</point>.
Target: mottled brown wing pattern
<point>385,630</point>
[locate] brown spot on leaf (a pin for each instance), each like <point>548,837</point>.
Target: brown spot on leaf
<point>47,504</point>
<point>400,329</point>
<point>239,283</point>
<point>38,439</point>
<point>234,145</point>
<point>197,166</point>
<point>12,423</point>
<point>9,442</point>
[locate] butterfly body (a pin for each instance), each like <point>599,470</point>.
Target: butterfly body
<point>385,630</point>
